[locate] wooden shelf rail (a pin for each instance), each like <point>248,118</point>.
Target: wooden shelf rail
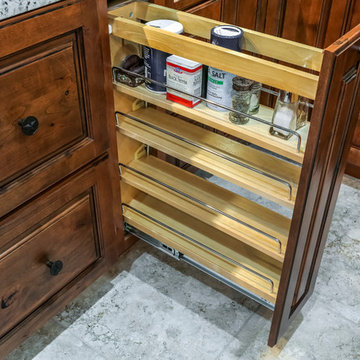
<point>259,227</point>
<point>207,150</point>
<point>261,70</point>
<point>210,247</point>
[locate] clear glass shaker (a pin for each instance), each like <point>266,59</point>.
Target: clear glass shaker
<point>255,98</point>
<point>241,97</point>
<point>285,115</point>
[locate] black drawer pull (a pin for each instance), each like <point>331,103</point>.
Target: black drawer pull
<point>29,125</point>
<point>55,267</point>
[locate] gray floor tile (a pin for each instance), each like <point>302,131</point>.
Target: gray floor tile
<point>134,321</point>
<point>318,333</point>
<point>338,282</point>
<point>53,341</point>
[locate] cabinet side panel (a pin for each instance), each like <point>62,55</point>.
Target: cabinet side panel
<point>333,123</point>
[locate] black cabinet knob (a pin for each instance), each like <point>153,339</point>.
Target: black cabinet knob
<point>55,267</point>
<point>29,125</point>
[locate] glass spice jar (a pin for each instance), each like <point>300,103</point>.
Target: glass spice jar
<point>302,112</point>
<point>255,98</point>
<point>285,115</point>
<point>241,97</point>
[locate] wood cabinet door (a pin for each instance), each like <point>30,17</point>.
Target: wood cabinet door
<point>210,9</point>
<point>177,4</point>
<point>333,123</point>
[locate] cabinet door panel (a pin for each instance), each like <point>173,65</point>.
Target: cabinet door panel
<point>333,124</point>
<point>177,4</point>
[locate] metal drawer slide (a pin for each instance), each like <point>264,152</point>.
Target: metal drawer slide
<point>179,256</point>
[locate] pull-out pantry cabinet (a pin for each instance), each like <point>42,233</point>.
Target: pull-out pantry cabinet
<point>250,247</point>
<point>60,176</point>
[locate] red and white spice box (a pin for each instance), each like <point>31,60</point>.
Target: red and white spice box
<point>185,75</point>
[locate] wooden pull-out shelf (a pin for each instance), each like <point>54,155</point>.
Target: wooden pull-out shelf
<point>125,26</point>
<point>270,177</point>
<point>260,273</point>
<point>261,228</point>
<point>231,225</point>
<point>277,48</point>
<point>232,238</point>
<point>254,132</point>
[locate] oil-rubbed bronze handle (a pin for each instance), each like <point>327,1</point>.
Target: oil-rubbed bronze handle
<point>55,267</point>
<point>29,125</point>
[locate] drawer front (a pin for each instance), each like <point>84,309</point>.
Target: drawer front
<point>57,77</point>
<point>25,278</point>
<point>43,112</point>
<point>63,225</point>
<point>210,9</point>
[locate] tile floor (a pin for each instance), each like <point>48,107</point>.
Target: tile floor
<point>153,307</point>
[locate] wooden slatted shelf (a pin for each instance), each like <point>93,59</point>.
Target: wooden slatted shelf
<point>208,161</point>
<point>308,57</point>
<point>210,237</point>
<point>251,67</point>
<point>253,132</point>
<point>258,228</point>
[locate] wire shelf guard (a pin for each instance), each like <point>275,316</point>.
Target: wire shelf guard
<point>265,278</point>
<point>223,156</point>
<point>203,204</point>
<point>298,147</point>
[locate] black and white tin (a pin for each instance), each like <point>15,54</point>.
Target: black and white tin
<point>155,60</point>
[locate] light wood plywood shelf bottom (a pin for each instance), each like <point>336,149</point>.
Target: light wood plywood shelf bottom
<point>203,155</point>
<point>236,216</point>
<point>253,132</point>
<point>255,267</point>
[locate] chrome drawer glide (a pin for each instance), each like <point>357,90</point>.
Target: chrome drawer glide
<point>179,256</point>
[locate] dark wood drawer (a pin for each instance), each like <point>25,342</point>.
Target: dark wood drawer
<point>210,9</point>
<point>60,82</point>
<point>64,224</point>
<point>43,114</point>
